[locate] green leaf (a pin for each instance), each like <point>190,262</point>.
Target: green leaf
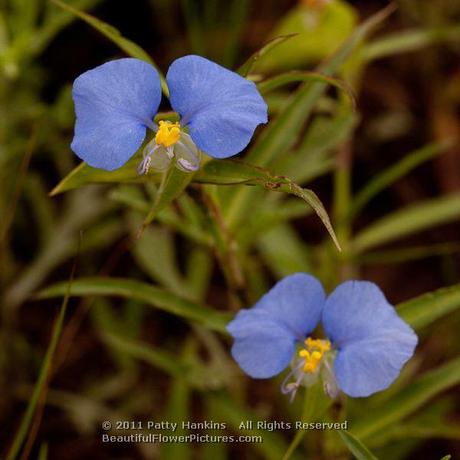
<point>424,310</point>
<point>412,219</point>
<point>356,447</point>
<point>418,430</point>
<point>246,68</point>
<point>155,253</point>
<point>231,172</point>
<point>177,411</point>
<point>43,452</point>
<point>156,357</point>
<point>296,76</point>
<point>282,133</point>
<point>411,253</point>
<point>113,34</point>
<point>411,398</point>
<point>395,172</point>
<point>284,251</point>
<point>315,156</point>
<point>408,41</point>
<point>84,174</point>
<point>237,172</point>
<point>143,292</point>
<point>44,375</point>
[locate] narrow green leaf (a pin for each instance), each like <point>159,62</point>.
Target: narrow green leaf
<point>238,172</point>
<point>231,172</point>
<point>143,292</point>
<point>446,457</point>
<point>158,358</point>
<point>418,430</point>
<point>315,155</point>
<point>284,251</point>
<point>282,133</point>
<point>406,254</point>
<point>246,68</point>
<point>427,308</point>
<point>43,452</point>
<point>311,198</point>
<point>408,400</point>
<point>84,175</point>
<point>44,373</point>
<point>356,447</point>
<point>177,411</point>
<point>113,34</point>
<point>409,41</point>
<point>412,219</point>
<point>395,172</point>
<point>155,253</point>
<point>297,76</point>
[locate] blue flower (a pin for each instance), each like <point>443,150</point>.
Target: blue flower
<point>367,342</point>
<point>116,102</point>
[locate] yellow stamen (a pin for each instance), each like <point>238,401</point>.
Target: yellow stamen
<point>168,133</point>
<point>313,353</point>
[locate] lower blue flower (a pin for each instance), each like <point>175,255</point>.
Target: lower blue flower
<point>366,343</point>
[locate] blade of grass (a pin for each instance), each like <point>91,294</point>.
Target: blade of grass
<point>44,376</point>
<point>408,400</point>
<point>297,76</point>
<point>246,68</point>
<point>409,40</point>
<point>282,133</point>
<point>395,172</point>
<point>409,220</point>
<point>143,292</point>
<point>356,447</point>
<point>427,308</point>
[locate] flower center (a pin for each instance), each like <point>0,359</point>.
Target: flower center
<point>168,133</point>
<point>313,353</point>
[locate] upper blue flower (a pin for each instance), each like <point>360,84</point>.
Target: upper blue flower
<point>367,342</point>
<point>116,102</point>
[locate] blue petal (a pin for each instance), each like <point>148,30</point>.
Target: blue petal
<point>296,302</point>
<point>114,104</point>
<point>265,335</point>
<point>373,342</point>
<point>266,351</point>
<point>221,108</point>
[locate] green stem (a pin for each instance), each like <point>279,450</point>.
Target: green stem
<point>306,415</point>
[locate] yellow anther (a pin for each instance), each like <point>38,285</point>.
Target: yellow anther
<point>168,133</point>
<point>313,353</point>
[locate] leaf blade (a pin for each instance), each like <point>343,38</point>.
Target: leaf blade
<point>143,292</point>
<point>356,447</point>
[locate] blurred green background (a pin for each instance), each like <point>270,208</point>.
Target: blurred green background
<point>369,123</point>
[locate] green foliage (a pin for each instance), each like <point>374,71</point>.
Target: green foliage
<point>356,447</point>
<point>198,247</point>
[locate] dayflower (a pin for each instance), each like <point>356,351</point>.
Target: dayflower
<point>116,102</point>
<point>365,347</point>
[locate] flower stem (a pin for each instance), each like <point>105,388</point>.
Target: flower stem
<point>306,415</point>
